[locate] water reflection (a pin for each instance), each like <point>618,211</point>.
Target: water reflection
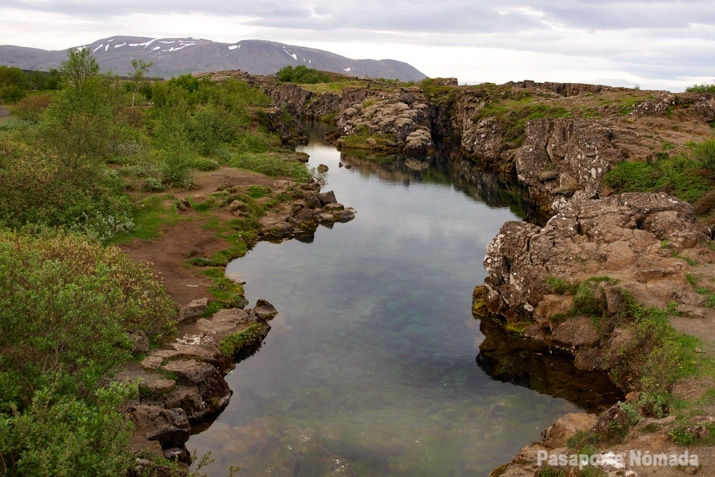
<point>369,368</point>
<point>527,363</point>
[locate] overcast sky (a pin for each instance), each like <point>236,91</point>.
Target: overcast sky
<point>646,43</point>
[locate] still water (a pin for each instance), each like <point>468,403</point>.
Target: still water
<point>370,367</point>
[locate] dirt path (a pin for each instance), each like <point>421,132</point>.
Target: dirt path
<point>188,238</point>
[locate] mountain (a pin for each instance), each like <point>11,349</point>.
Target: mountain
<point>176,56</point>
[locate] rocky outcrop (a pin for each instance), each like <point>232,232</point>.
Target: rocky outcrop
<point>403,114</point>
<point>640,243</point>
<point>559,138</point>
<point>181,383</point>
<point>310,208</point>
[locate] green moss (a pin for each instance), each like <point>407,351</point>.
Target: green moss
<point>556,285</point>
<point>236,343</point>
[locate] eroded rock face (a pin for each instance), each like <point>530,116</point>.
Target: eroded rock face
<point>635,242</point>
<point>632,237</point>
<point>402,113</point>
<point>182,382</point>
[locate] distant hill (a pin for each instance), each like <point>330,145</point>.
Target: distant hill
<point>176,56</point>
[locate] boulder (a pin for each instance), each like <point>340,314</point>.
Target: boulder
<point>565,427</point>
<point>193,310</point>
<point>264,310</point>
<point>168,426</point>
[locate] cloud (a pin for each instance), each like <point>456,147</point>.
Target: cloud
<point>651,42</point>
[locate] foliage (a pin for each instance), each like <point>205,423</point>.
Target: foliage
<point>34,189</point>
<point>688,177</point>
<point>65,436</point>
<point>658,355</point>
<point>701,88</point>
<point>302,74</point>
<point>14,84</point>
<point>75,125</point>
<point>66,306</point>
<point>31,107</point>
<point>141,68</point>
<point>174,149</point>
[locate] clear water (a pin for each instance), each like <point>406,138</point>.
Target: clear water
<point>370,368</point>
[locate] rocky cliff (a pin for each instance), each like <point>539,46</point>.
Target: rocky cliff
<point>558,138</point>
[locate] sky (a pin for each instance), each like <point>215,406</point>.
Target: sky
<point>648,44</point>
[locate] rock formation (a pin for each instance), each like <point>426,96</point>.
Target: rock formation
<point>182,384</point>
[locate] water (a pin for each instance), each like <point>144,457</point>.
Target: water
<point>370,367</point>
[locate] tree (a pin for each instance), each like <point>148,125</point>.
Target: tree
<point>13,84</point>
<point>141,67</point>
<point>76,124</point>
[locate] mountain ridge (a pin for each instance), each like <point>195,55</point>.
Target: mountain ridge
<point>176,56</point>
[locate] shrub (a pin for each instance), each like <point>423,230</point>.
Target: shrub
<point>35,189</point>
<point>701,88</point>
<point>66,306</point>
<point>302,74</point>
<point>31,107</point>
<point>63,436</point>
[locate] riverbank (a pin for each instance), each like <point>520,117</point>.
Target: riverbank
<point>182,381</point>
<point>624,285</point>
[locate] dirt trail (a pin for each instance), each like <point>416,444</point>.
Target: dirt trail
<point>175,244</point>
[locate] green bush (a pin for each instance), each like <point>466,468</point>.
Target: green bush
<point>64,436</point>
<point>35,189</point>
<point>66,306</point>
<point>701,88</point>
<point>302,74</point>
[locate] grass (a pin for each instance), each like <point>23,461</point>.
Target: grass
<point>271,164</point>
<point>150,216</point>
<point>701,88</point>
<point>334,87</point>
<point>515,112</point>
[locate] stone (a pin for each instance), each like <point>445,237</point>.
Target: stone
<point>191,370</point>
<point>141,342</point>
<point>264,310</point>
<point>322,168</point>
<point>576,333</point>
<point>327,198</point>
<point>193,310</point>
<point>152,362</point>
<point>566,427</point>
<point>168,426</point>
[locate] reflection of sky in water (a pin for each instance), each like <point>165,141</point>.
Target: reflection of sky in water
<point>371,361</point>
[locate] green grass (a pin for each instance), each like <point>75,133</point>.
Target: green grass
<point>271,164</point>
<point>152,213</point>
<point>682,177</point>
<point>558,286</point>
<point>334,87</point>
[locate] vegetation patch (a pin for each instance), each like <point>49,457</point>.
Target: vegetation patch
<point>237,343</point>
<point>688,177</point>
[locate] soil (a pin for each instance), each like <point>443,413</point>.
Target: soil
<point>188,238</point>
